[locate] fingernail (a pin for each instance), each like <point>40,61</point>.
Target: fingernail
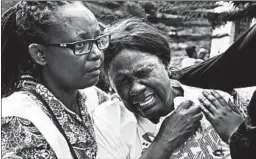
<point>205,93</point>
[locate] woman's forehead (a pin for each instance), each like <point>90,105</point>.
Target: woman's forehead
<point>74,25</point>
<point>132,60</point>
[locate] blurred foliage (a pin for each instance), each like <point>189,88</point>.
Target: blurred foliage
<point>174,16</point>
<point>186,22</point>
<point>169,16</point>
<point>173,13</point>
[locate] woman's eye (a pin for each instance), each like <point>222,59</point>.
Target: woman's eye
<point>121,82</point>
<point>143,74</point>
<point>79,45</point>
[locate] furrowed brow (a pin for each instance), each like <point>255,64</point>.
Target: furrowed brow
<point>140,69</point>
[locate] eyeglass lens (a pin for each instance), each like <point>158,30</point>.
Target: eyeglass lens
<point>85,47</point>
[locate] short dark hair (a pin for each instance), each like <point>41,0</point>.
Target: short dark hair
<point>190,50</point>
<point>24,23</point>
<point>136,34</point>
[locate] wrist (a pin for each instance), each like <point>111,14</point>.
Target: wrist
<point>163,145</point>
<point>227,138</point>
<point>157,150</point>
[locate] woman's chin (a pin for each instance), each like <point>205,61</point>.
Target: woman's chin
<point>89,82</point>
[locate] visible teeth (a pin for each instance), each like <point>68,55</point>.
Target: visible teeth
<point>147,101</point>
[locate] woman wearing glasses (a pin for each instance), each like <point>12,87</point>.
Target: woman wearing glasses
<point>50,50</point>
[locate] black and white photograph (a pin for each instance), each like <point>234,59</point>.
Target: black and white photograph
<point>128,79</point>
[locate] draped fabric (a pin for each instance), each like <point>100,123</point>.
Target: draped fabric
<point>21,139</point>
<point>234,68</point>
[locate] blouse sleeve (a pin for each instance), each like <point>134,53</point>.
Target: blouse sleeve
<point>243,142</point>
<point>21,139</point>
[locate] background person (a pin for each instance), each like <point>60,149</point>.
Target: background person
<point>203,54</point>
<point>192,57</point>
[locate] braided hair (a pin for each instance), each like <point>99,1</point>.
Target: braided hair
<point>26,22</point>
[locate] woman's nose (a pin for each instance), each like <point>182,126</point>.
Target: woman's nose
<point>137,89</point>
<point>95,53</point>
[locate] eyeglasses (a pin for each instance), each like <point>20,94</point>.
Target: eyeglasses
<point>85,46</point>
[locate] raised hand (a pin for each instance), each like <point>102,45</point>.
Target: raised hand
<point>224,116</point>
<point>180,125</point>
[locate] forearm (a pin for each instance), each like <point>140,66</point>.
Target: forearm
<point>157,150</point>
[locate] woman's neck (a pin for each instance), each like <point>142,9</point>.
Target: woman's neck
<point>67,96</point>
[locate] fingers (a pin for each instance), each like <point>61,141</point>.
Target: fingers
<point>186,104</point>
<point>195,127</point>
<point>212,99</point>
<point>195,109</point>
<point>198,116</point>
<point>220,99</point>
<point>209,116</point>
<point>234,107</point>
<point>208,105</point>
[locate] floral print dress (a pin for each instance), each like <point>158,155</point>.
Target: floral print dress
<point>21,139</point>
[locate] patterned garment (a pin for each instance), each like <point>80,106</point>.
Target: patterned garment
<point>243,98</point>
<point>204,144</point>
<point>23,138</point>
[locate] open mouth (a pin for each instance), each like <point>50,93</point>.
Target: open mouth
<point>95,69</point>
<point>147,102</point>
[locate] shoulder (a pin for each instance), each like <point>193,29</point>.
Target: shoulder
<point>18,101</point>
<point>16,98</point>
<point>94,97</point>
<point>113,112</point>
<point>195,92</point>
<point>21,103</point>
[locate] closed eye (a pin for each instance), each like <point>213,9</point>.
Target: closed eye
<point>121,81</point>
<point>143,73</point>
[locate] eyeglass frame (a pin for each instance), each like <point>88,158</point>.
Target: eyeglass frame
<point>72,45</point>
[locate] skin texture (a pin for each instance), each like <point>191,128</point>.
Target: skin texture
<point>62,71</point>
<point>136,75</point>
<point>224,116</point>
<point>174,131</point>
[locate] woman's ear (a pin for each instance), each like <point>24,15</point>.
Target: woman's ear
<point>37,53</point>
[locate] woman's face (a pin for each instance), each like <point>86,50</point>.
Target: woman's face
<point>142,82</point>
<point>76,23</point>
